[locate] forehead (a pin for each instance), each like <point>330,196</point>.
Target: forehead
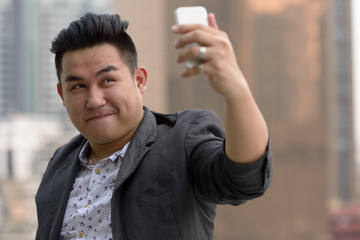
<point>88,60</point>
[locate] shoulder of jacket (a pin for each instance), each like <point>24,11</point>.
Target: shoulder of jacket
<point>72,144</point>
<point>67,149</point>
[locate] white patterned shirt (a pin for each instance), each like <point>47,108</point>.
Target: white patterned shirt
<point>88,211</point>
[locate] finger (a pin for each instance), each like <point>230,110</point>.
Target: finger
<point>193,52</point>
<point>189,72</point>
<point>199,36</point>
<point>212,21</point>
<point>184,28</point>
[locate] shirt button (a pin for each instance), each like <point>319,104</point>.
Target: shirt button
<point>97,170</point>
<point>81,234</point>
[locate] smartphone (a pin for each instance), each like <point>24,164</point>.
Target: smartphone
<point>191,15</point>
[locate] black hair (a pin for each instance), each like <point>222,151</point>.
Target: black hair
<point>93,29</point>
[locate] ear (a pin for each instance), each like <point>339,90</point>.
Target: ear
<point>141,79</point>
<point>60,91</point>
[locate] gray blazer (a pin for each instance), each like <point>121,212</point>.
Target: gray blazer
<point>172,176</point>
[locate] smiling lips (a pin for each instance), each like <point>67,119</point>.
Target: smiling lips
<point>97,116</point>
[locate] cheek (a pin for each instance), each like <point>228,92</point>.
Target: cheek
<point>73,104</point>
<point>120,96</point>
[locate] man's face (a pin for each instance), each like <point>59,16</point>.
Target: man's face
<point>103,99</point>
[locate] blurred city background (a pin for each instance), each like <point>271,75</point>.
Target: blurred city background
<point>300,58</point>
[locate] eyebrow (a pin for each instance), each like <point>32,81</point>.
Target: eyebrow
<point>106,69</point>
<point>72,78</point>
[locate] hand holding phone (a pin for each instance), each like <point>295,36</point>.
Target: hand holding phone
<point>191,15</point>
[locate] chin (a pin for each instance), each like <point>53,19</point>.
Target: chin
<point>102,140</point>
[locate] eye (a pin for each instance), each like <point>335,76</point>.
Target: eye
<point>78,86</point>
<point>107,80</point>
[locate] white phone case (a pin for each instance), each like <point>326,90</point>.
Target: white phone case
<point>191,15</point>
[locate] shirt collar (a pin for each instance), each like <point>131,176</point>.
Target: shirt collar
<point>84,153</point>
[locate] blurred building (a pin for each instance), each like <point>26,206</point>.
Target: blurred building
<point>33,122</point>
<point>149,29</point>
<point>27,76</point>
<point>340,70</point>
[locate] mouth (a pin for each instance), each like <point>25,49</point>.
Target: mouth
<point>98,117</point>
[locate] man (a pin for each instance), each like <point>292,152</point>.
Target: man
<point>136,174</point>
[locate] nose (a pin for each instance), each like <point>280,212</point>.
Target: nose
<point>96,99</point>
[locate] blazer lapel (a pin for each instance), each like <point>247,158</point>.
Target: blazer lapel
<point>138,148</point>
<point>65,179</point>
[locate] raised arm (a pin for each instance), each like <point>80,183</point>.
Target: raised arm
<point>245,127</point>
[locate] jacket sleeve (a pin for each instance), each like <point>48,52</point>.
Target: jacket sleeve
<point>215,177</point>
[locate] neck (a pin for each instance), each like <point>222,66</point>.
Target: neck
<point>101,151</point>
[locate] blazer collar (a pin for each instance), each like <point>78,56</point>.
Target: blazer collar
<point>65,176</point>
<point>139,146</point>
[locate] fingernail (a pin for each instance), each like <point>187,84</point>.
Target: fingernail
<point>175,28</point>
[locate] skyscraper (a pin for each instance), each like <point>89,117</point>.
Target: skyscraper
<point>27,73</point>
